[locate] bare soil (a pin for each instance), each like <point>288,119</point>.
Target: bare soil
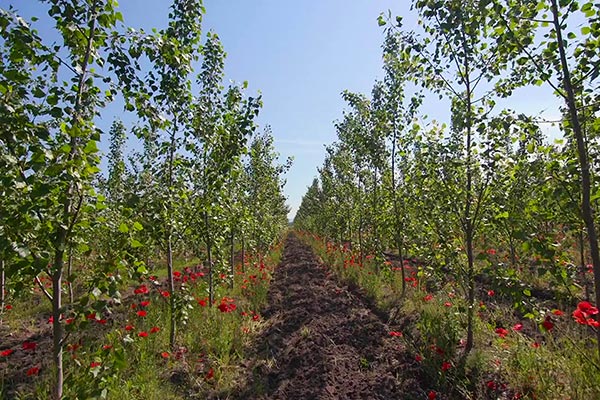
<point>324,341</point>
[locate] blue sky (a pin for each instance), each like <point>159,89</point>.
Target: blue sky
<point>300,55</point>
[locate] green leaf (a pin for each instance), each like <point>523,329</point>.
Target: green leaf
<point>91,147</point>
<point>137,226</point>
<point>527,292</point>
<point>136,243</point>
<point>123,227</point>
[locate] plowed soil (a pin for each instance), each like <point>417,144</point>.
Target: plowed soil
<point>324,341</point>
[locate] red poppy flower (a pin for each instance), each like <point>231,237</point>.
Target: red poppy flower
<point>428,297</point>
<point>29,345</point>
<point>8,307</point>
<point>203,302</point>
<point>142,289</point>
<point>547,324</point>
<point>177,274</point>
<point>164,354</point>
<point>517,327</point>
<point>491,252</point>
<point>396,333</point>
<point>446,366</point>
<point>33,371</point>
<point>145,303</point>
<point>418,358</point>
<point>128,327</point>
<point>95,364</point>
<point>447,304</point>
<point>557,312</point>
<point>501,332</point>
<point>491,293</point>
<point>142,313</point>
<point>535,345</point>
<point>432,395</point>
<point>69,321</point>
<point>133,306</point>
<point>107,347</point>
<point>164,293</point>
<point>255,317</point>
<point>492,385</point>
<point>583,314</point>
<point>91,316</point>
<point>143,334</point>
<point>210,374</point>
<point>51,319</point>
<point>6,352</point>
<point>154,329</point>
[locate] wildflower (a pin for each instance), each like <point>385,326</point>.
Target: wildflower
<point>6,352</point>
<point>547,324</point>
<point>165,354</point>
<point>142,289</point>
<point>202,302</point>
<point>557,312</point>
<point>107,347</point>
<point>154,329</point>
<point>91,316</point>
<point>517,327</point>
<point>94,364</point>
<point>210,374</point>
<point>428,297</point>
<point>583,314</point>
<point>143,334</point>
<point>255,317</point>
<point>144,303</point>
<point>142,313</point>
<point>418,358</point>
<point>501,332</point>
<point>69,321</point>
<point>8,307</point>
<point>33,371</point>
<point>432,395</point>
<point>446,366</point>
<point>29,345</point>
<point>492,385</point>
<point>535,345</point>
<point>447,304</point>
<point>396,333</point>
<point>491,252</point>
<point>164,293</point>
<point>491,293</point>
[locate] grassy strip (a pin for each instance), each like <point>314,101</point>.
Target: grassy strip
<point>542,356</point>
<point>126,354</point>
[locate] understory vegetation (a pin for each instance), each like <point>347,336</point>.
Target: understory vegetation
<point>481,227</point>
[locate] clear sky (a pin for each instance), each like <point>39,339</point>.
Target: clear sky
<point>300,55</point>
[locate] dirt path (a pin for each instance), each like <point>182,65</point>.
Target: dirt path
<point>323,342</point>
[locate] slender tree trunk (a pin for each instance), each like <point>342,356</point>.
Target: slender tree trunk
<point>70,273</point>
<point>360,229</point>
<point>57,328</point>
<point>231,258</point>
<point>211,294</point>
<point>583,268</point>
<point>169,239</point>
<point>468,223</point>
<point>586,185</point>
<point>397,227</point>
<point>172,305</point>
<point>2,288</point>
<point>243,253</point>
